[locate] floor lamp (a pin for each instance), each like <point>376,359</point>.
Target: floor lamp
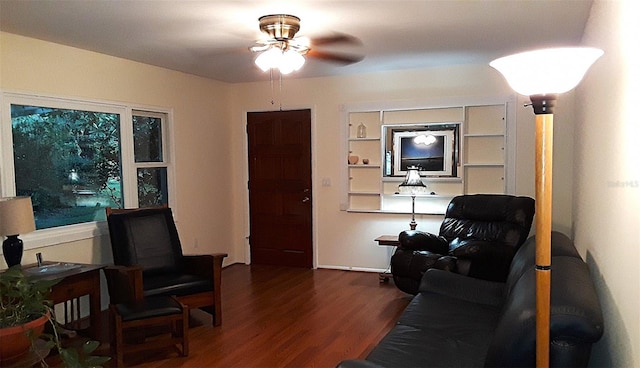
<point>542,75</point>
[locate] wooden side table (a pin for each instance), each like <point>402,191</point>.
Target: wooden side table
<point>389,241</point>
<point>75,282</point>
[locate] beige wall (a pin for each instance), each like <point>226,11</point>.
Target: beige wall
<point>201,131</point>
<point>607,177</point>
<point>345,240</point>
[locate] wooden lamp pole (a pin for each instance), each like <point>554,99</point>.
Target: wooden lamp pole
<point>541,75</point>
<point>543,108</point>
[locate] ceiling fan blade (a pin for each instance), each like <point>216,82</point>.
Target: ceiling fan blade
<point>338,58</point>
<point>335,39</point>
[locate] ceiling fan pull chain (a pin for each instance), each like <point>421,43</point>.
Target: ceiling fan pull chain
<point>280,101</point>
<point>271,83</point>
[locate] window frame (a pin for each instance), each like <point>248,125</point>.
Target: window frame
<point>87,230</point>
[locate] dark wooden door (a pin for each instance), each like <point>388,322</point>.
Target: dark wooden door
<point>280,193</point>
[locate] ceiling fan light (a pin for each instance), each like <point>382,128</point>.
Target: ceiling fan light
<point>269,59</point>
<point>292,60</point>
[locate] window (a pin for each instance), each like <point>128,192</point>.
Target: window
<point>74,158</point>
<point>150,164</point>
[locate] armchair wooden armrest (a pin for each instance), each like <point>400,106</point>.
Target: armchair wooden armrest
<point>124,283</point>
<point>209,266</point>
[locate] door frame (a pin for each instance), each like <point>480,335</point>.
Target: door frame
<point>245,181</point>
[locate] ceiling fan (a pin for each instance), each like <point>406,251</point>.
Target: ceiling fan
<point>282,50</point>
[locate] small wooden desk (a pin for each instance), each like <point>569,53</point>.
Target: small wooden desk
<point>389,241</point>
<point>74,283</point>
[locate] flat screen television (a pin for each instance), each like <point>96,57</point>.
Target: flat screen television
<point>432,149</point>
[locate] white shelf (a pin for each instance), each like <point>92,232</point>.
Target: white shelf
<point>363,139</point>
<point>425,179</point>
<point>423,196</point>
<point>396,212</point>
<point>483,165</point>
<point>484,135</point>
<point>364,193</point>
<point>365,166</point>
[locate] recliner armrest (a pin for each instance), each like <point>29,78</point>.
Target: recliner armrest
<point>462,287</point>
<point>419,240</point>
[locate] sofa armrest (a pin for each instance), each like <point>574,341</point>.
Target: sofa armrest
<point>462,287</point>
<point>357,363</point>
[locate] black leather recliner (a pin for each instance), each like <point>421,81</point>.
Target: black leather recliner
<point>479,236</point>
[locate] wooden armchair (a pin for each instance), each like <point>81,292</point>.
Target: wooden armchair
<point>148,261</point>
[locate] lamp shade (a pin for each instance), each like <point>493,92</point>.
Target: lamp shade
<point>269,59</point>
<point>291,61</point>
<point>286,61</point>
<point>546,71</point>
<point>16,216</point>
<point>412,183</point>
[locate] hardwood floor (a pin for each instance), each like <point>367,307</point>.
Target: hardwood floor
<point>288,317</point>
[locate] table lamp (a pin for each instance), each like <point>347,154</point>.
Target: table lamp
<point>16,217</point>
<point>542,75</point>
<point>412,185</point>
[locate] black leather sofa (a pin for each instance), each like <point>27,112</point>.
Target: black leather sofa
<point>478,237</point>
<point>459,321</point>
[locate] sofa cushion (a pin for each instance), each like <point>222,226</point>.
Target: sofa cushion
<point>433,329</point>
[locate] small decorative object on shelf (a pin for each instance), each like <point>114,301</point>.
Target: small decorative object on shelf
<point>353,159</point>
<point>365,161</point>
<point>362,131</point>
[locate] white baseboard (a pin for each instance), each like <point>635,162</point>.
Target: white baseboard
<point>358,269</point>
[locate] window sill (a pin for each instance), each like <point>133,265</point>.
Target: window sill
<point>64,234</point>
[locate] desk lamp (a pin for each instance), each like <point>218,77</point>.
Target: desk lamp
<point>542,75</point>
<point>412,185</point>
<point>16,217</point>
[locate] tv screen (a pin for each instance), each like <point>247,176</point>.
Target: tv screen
<point>431,151</point>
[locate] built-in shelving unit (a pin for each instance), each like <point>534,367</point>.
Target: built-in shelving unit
<point>482,165</point>
<point>484,149</point>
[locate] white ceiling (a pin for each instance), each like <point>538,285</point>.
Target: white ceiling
<point>211,38</point>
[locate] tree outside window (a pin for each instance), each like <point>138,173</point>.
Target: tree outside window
<point>70,162</point>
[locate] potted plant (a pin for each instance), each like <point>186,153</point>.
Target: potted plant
<point>24,311</point>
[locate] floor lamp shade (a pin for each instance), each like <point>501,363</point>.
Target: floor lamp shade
<point>547,71</point>
<point>542,75</point>
<point>16,217</point>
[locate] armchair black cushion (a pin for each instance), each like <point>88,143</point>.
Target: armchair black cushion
<point>478,237</point>
<point>148,261</point>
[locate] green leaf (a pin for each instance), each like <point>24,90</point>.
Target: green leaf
<point>90,346</point>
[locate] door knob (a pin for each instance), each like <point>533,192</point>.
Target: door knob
<point>305,199</point>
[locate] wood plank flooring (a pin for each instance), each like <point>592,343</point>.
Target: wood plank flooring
<point>288,317</point>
